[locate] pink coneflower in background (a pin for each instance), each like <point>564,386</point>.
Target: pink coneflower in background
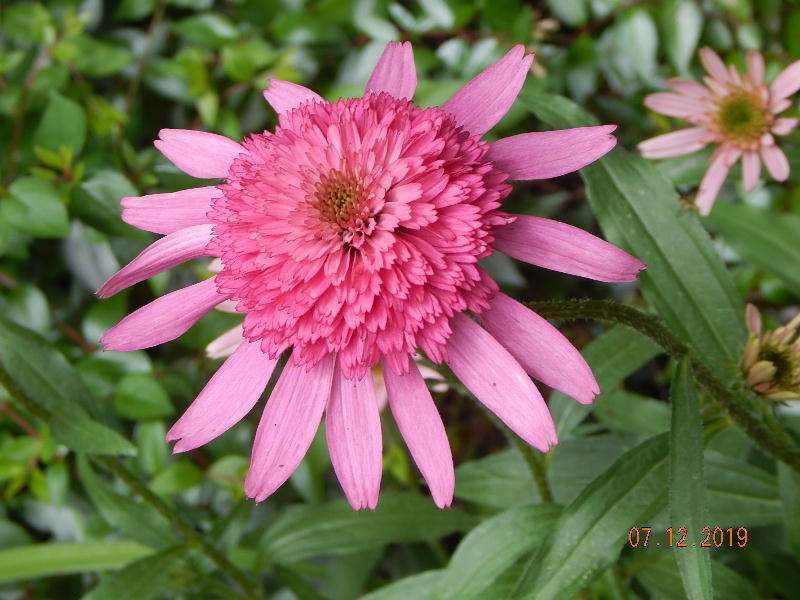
<point>351,236</point>
<point>738,112</point>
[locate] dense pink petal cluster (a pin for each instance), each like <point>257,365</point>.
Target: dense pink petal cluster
<point>351,236</point>
<point>737,111</point>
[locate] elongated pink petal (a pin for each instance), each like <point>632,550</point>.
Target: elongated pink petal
<point>755,66</point>
<point>751,169</point>
<point>227,398</point>
<point>786,83</point>
<point>675,105</point>
<point>721,163</point>
<point>423,431</point>
<point>541,349</point>
<point>226,344</point>
<point>395,72</point>
<point>778,105</point>
<point>564,248</point>
<point>198,153</point>
<point>164,319</point>
<point>284,96</point>
<point>163,254</point>
<point>688,87</point>
<point>165,213</point>
<point>490,372</point>
<point>484,100</point>
<point>676,143</point>
<point>714,65</point>
<point>287,427</point>
<point>546,154</point>
<point>784,126</point>
<point>776,162</point>
<point>353,431</point>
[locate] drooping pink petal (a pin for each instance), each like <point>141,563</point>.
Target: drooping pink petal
<point>546,154</point>
<point>751,169</point>
<point>676,143</point>
<point>490,372</point>
<point>541,349</point>
<point>784,126</point>
<point>786,83</point>
<point>564,248</point>
<point>483,101</point>
<point>718,169</point>
<point>676,105</point>
<point>778,105</point>
<point>395,72</point>
<point>714,65</point>
<point>163,254</point>
<point>198,153</point>
<point>689,88</point>
<point>226,399</point>
<point>776,162</point>
<point>164,319</point>
<point>284,96</point>
<point>226,344</point>
<point>353,431</point>
<point>755,66</point>
<point>287,427</point>
<point>165,213</point>
<point>423,431</point>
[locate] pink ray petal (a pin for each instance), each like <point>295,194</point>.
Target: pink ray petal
<point>490,372</point>
<point>287,427</point>
<point>784,126</point>
<point>755,67</point>
<point>546,154</point>
<point>284,96</point>
<point>676,105</point>
<point>721,163</point>
<point>786,83</point>
<point>564,248</point>
<point>689,88</point>
<point>484,100</point>
<point>423,431</point>
<point>776,162</point>
<point>395,72</point>
<point>676,143</point>
<point>164,319</point>
<point>198,153</point>
<point>165,213</point>
<point>714,65</point>
<point>751,169</point>
<point>226,399</point>
<point>226,344</point>
<point>541,349</point>
<point>353,431</point>
<point>163,254</point>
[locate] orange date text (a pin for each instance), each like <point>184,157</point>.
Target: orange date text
<point>678,537</point>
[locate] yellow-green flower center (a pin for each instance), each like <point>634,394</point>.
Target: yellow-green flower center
<point>339,197</point>
<point>742,117</point>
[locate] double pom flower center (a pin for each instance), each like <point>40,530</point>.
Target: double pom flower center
<point>342,201</point>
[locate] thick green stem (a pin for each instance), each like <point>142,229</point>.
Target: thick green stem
<point>536,466</point>
<point>772,438</point>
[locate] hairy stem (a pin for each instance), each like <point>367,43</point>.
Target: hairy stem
<point>737,402</point>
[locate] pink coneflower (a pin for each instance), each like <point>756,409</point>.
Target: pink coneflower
<point>738,112</point>
<point>351,236</point>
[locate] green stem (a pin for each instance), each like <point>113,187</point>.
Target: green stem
<point>772,438</point>
<point>536,466</point>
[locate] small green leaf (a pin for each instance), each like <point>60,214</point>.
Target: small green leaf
<point>93,57</point>
<point>44,560</point>
<point>97,203</point>
<point>574,13</point>
<point>63,125</point>
<point>417,586</point>
<point>177,478</point>
<point>682,23</point>
<point>142,579</point>
<point>208,29</point>
<point>687,485</point>
<point>35,208</point>
<point>139,396</point>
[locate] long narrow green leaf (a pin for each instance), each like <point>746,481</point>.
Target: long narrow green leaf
<point>43,560</point>
<point>142,579</point>
<point>591,531</point>
<point>789,485</point>
<point>637,207</point>
<point>687,486</point>
<point>419,587</point>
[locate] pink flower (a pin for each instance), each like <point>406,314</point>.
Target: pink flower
<point>738,112</point>
<point>352,235</point>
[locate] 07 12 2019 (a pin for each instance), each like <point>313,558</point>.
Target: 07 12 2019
<point>679,537</point>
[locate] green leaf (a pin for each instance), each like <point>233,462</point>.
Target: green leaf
<point>334,528</point>
<point>591,531</point>
<point>627,412</point>
<point>143,579</point>
<point>139,396</point>
<point>208,29</point>
<point>177,478</point>
<point>136,520</point>
<point>491,548</point>
<point>97,203</point>
<point>572,12</point>
<point>44,560</point>
<point>687,485</point>
<point>417,586</point>
<point>93,57</point>
<point>33,371</point>
<point>740,493</point>
<point>763,237</point>
<point>34,207</point>
<point>789,485</point>
<point>63,125</point>
<point>637,208</point>
<point>682,23</point>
